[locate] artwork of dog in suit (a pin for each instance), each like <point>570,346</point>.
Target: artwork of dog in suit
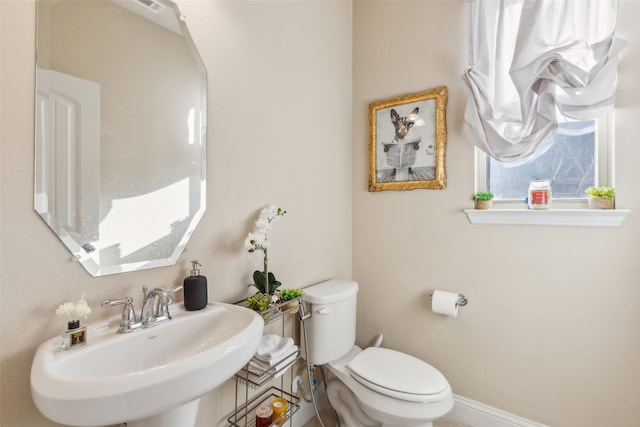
<point>406,149</point>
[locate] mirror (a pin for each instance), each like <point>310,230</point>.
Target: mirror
<point>120,131</point>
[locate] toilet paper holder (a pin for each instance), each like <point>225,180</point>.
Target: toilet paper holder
<point>462,300</point>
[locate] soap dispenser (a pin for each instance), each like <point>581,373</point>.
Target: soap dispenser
<point>195,289</point>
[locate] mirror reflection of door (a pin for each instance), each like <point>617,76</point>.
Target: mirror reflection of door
<point>128,193</point>
<point>68,153</point>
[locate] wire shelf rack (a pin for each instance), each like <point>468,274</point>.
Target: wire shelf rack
<point>245,415</point>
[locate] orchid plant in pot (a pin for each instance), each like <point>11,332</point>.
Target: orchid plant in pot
<point>264,281</point>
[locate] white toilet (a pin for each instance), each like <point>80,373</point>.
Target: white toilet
<point>375,386</point>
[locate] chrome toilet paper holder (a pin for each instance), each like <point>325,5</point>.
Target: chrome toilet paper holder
<point>462,300</point>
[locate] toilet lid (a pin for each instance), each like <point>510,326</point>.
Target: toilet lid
<point>396,374</point>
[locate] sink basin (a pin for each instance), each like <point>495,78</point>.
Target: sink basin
<point>117,378</point>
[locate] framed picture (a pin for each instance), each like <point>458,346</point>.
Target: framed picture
<point>407,141</point>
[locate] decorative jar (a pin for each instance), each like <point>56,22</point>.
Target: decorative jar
<point>539,194</point>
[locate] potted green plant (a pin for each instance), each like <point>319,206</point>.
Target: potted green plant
<point>259,302</point>
<point>601,197</point>
<point>289,298</point>
<point>483,200</point>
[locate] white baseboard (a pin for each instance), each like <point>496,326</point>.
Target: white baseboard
<point>478,414</point>
<point>307,411</point>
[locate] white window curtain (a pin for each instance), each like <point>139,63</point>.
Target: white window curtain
<point>534,63</point>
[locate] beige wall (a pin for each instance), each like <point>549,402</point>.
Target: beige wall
<point>552,329</point>
<point>279,132</point>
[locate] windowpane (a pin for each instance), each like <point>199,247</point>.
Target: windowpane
<point>569,163</point>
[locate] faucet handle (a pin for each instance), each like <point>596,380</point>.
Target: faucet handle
<point>112,302</point>
<point>175,289</point>
<point>128,322</point>
<point>169,293</point>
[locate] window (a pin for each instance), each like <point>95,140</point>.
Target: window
<point>579,156</point>
<point>532,66</point>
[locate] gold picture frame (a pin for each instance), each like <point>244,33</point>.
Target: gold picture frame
<point>408,141</point>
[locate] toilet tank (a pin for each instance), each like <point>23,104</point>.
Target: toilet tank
<point>331,329</point>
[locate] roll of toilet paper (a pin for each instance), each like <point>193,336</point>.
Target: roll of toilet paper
<point>445,303</point>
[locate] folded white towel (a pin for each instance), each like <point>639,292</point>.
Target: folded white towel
<point>274,366</point>
<point>278,370</point>
<point>282,348</point>
<point>265,365</point>
<point>268,343</point>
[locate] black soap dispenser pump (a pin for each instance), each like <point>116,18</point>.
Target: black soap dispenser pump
<point>195,289</point>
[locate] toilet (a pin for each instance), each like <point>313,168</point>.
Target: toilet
<point>372,387</point>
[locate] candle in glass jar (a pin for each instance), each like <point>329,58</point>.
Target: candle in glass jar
<point>264,415</point>
<point>539,194</point>
<point>279,406</point>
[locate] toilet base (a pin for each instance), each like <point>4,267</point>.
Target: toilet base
<point>348,408</point>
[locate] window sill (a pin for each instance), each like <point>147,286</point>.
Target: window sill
<point>562,217</point>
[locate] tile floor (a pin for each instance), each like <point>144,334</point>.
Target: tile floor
<point>330,421</point>
<point>449,423</point>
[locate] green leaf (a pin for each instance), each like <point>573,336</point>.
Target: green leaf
<point>273,286</point>
<point>259,301</point>
<point>482,195</point>
<point>601,191</point>
<point>289,294</point>
<point>273,283</point>
<point>259,281</point>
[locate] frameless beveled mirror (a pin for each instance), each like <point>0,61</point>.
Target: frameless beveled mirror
<point>120,131</point>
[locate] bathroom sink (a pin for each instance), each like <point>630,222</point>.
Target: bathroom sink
<point>118,378</point>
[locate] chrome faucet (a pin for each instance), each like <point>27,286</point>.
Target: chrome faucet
<point>155,309</point>
<point>128,322</point>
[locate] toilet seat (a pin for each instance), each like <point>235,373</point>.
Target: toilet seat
<point>387,409</point>
<point>397,374</point>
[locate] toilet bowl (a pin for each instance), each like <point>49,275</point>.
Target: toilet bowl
<point>388,387</point>
<point>426,396</point>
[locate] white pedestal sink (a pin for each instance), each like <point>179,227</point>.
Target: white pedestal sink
<point>150,377</point>
<point>182,416</point>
